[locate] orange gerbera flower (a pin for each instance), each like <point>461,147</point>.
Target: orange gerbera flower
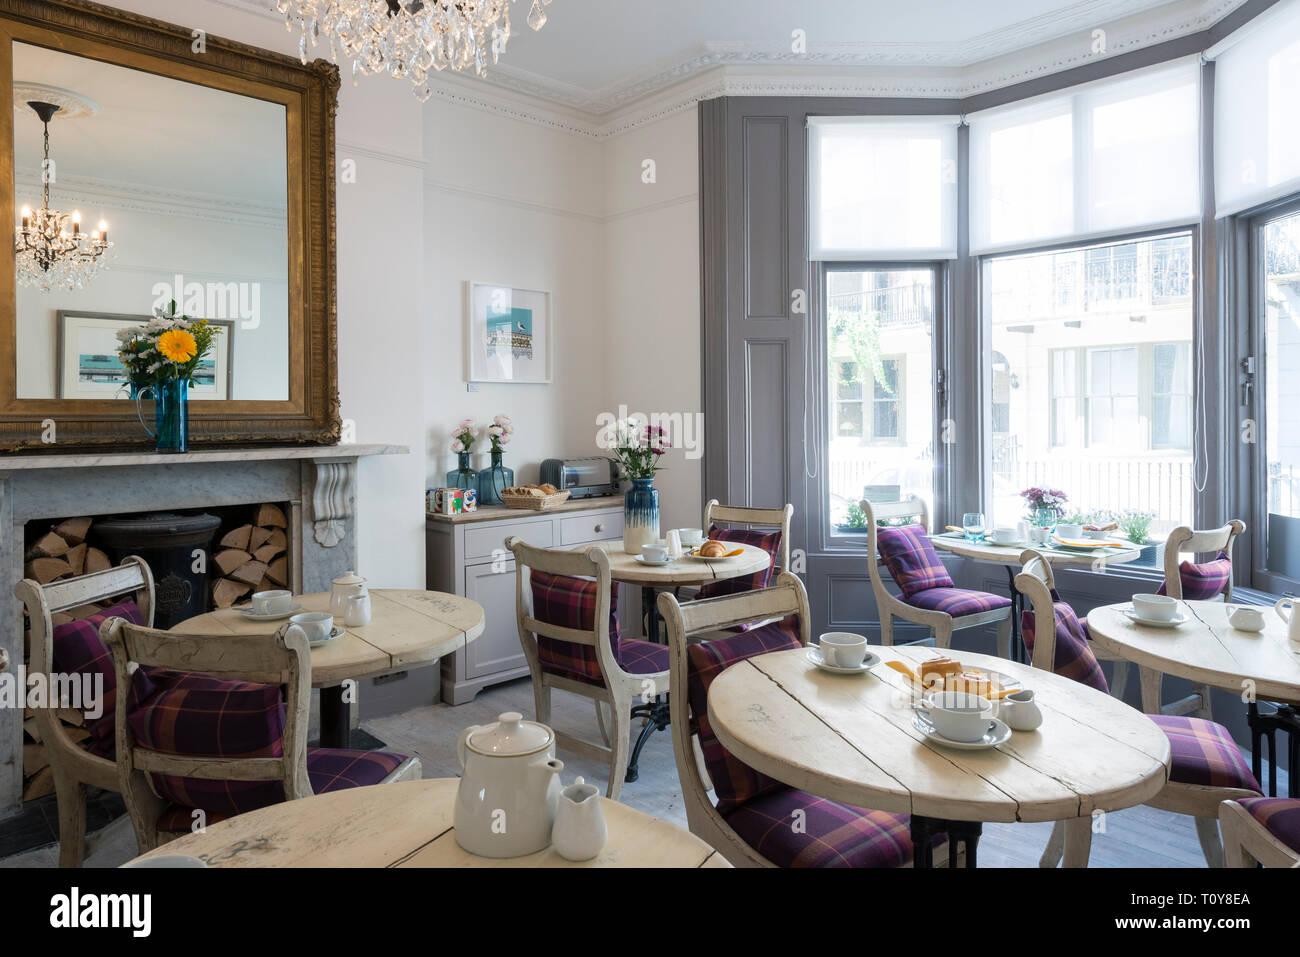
<point>177,345</point>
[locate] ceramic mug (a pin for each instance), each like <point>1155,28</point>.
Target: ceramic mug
<point>958,715</point>
<point>1069,531</point>
<point>691,536</point>
<point>317,624</point>
<point>1005,535</point>
<point>841,649</point>
<point>272,602</point>
<point>1155,607</point>
<point>655,553</point>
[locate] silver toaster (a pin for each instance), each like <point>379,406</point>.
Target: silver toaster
<point>584,477</point>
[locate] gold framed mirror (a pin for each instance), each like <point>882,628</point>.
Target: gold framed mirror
<point>209,166</point>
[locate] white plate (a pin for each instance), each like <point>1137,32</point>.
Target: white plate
<point>814,655</point>
<point>1178,619</point>
<point>720,558</point>
<point>251,615</point>
<point>999,733</point>
<point>334,633</point>
<point>1077,545</point>
<point>1020,542</point>
<point>1000,679</point>
<point>645,561</point>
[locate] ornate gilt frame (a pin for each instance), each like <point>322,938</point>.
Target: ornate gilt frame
<point>310,96</point>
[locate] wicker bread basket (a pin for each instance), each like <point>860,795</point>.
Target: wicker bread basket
<point>538,503</point>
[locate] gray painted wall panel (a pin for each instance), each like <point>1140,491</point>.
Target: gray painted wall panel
<point>767,432</point>
<point>766,200</point>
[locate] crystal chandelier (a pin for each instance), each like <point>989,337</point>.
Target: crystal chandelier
<point>50,248</point>
<point>408,38</point>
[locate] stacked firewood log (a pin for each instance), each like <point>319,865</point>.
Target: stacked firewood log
<point>62,552</point>
<point>251,558</point>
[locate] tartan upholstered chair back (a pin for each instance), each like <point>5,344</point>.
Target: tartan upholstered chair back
<point>913,506</point>
<point>279,662</point>
<point>1058,638</point>
<point>744,516</point>
<point>73,764</point>
<point>1197,582</point>
<point>785,598</point>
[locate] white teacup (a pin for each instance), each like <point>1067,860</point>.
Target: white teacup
<point>1155,607</point>
<point>691,536</point>
<point>842,649</point>
<point>1246,619</point>
<point>317,624</point>
<point>272,602</point>
<point>958,715</point>
<point>656,552</point>
<point>1069,531</point>
<point>1004,535</point>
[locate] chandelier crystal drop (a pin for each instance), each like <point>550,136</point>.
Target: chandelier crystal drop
<point>50,250</point>
<point>408,38</point>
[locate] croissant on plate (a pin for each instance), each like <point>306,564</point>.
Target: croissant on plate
<point>712,549</point>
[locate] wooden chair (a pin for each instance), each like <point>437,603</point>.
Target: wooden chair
<point>74,767</point>
<point>748,517</point>
<point>582,660</point>
<point>281,659</point>
<point>782,600</point>
<point>1184,792</point>
<point>987,607</point>
<point>1186,581</point>
<point>1247,842</point>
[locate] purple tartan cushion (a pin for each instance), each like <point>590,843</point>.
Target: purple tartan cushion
<point>204,716</point>
<point>642,657</point>
<point>330,769</point>
<point>571,603</point>
<point>1204,753</point>
<point>1279,816</point>
<point>955,601</point>
<point>911,559</point>
<point>1074,657</point>
<point>734,782</point>
<point>835,834</point>
<point>770,542</point>
<point>1204,581</point>
<point>75,649</point>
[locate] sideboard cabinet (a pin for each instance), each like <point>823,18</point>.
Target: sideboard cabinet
<point>467,555</point>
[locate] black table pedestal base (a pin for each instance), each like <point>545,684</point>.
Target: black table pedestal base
<point>657,715</point>
<point>967,833</point>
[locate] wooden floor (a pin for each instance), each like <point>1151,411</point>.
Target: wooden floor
<point>1137,837</point>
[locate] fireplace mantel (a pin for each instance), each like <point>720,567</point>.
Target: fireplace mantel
<point>318,483</point>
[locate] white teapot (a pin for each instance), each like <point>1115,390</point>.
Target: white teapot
<point>345,587</point>
<point>509,787</point>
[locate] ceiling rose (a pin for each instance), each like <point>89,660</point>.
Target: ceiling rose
<point>408,38</point>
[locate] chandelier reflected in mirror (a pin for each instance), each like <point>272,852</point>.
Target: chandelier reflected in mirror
<point>50,250</point>
<point>408,38</point>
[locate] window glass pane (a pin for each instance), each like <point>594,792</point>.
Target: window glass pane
<point>881,322</point>
<point>1281,351</point>
<point>1100,403</point>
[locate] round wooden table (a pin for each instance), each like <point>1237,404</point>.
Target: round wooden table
<point>408,628</point>
<point>1208,651</point>
<point>1008,556</point>
<point>851,738</point>
<point>409,824</point>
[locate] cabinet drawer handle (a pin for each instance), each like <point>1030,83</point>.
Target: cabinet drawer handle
<point>600,528</point>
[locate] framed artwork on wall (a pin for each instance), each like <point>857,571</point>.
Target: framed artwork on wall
<point>508,334</point>
<point>88,367</point>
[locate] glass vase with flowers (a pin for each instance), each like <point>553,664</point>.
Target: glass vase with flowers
<point>638,450</point>
<point>496,478</point>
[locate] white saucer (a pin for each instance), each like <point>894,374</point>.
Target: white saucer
<point>1018,543</point>
<point>814,654</point>
<point>335,632</point>
<point>1178,619</point>
<point>251,615</point>
<point>645,561</point>
<point>999,733</point>
<point>720,558</point>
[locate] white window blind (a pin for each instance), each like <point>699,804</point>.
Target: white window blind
<point>1102,158</point>
<point>1256,130</point>
<point>883,188</point>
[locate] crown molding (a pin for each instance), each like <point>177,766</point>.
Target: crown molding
<point>1035,47</point>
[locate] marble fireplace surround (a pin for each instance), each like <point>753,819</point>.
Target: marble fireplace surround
<point>317,482</point>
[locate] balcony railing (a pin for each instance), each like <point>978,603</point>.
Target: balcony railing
<point>1162,487</point>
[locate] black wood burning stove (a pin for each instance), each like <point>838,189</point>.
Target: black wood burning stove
<point>171,545</point>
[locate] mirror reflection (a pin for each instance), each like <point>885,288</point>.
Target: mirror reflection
<point>133,192</point>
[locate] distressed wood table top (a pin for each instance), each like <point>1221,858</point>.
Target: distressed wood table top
<point>682,571</point>
<point>851,738</point>
<point>409,824</point>
<point>408,627</point>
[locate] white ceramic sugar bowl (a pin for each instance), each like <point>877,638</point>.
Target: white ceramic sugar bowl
<point>509,787</point>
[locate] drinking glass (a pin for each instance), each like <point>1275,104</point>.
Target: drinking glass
<point>973,525</point>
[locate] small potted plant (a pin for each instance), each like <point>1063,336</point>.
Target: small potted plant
<point>855,520</point>
<point>1135,525</point>
<point>462,443</point>
<point>638,450</point>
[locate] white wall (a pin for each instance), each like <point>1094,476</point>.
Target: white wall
<point>446,193</point>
